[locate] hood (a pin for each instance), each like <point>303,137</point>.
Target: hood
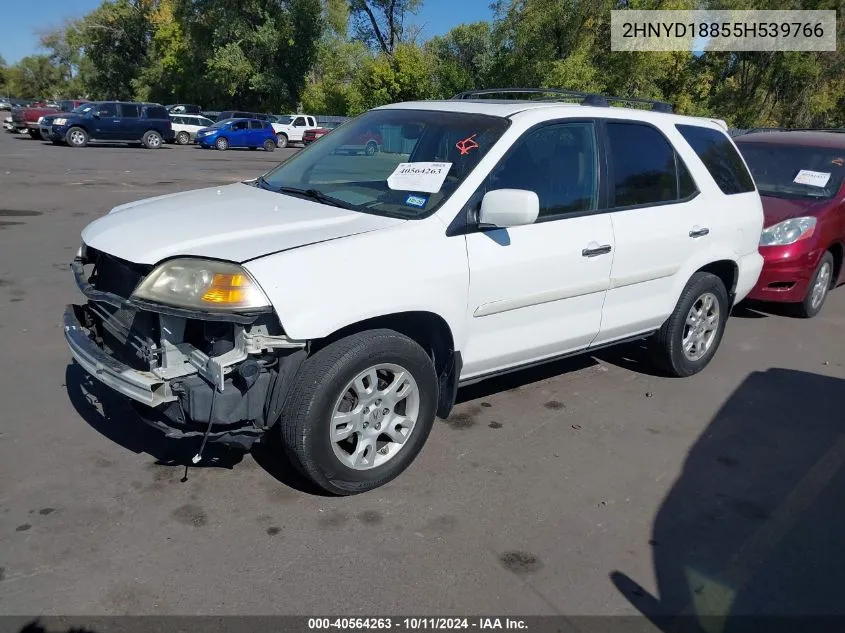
<point>779,209</point>
<point>235,222</point>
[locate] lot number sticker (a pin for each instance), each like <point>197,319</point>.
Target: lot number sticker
<point>812,178</point>
<point>427,177</point>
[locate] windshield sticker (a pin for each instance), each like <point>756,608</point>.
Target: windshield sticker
<point>467,145</point>
<point>417,201</point>
<point>426,177</point>
<point>812,178</point>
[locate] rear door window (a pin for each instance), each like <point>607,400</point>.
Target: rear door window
<point>130,110</point>
<point>643,167</point>
<point>720,157</point>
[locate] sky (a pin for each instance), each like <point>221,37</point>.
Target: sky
<point>19,36</point>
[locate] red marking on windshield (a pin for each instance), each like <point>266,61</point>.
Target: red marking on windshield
<point>838,162</point>
<point>466,145</point>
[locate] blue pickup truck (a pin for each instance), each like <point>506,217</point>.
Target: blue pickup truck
<point>110,121</point>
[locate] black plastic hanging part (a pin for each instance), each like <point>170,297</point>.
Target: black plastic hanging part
<point>198,457</point>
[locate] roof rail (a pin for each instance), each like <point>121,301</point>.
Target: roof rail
<point>585,98</point>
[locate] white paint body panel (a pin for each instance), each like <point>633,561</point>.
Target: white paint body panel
<point>509,296</point>
<point>234,222</point>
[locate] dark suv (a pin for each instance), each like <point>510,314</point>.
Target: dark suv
<point>112,121</point>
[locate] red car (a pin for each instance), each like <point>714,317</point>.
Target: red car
<point>801,178</point>
<point>28,119</point>
<point>309,136</point>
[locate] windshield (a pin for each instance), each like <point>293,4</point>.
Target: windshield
<point>221,124</point>
<point>795,171</point>
<point>82,109</point>
<point>399,163</point>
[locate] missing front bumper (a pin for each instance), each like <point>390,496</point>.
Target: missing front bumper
<point>141,386</point>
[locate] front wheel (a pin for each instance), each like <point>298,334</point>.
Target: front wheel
<point>76,137</point>
<point>151,140</point>
<point>817,291</point>
<point>688,340</point>
<point>283,140</point>
<point>269,145</point>
<point>221,144</point>
<point>360,410</point>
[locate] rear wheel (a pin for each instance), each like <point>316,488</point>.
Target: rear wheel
<point>360,410</point>
<point>688,340</point>
<point>76,137</point>
<point>283,140</point>
<point>817,291</point>
<point>269,145</point>
<point>221,144</point>
<point>34,134</point>
<point>151,140</point>
<point>183,138</point>
<point>371,148</point>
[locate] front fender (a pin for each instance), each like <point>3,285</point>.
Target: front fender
<point>319,289</point>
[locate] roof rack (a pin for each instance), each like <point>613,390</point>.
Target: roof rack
<point>585,98</point>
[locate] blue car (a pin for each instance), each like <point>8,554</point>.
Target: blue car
<point>250,133</point>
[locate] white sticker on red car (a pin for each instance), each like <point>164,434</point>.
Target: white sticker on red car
<point>812,178</point>
<point>426,177</point>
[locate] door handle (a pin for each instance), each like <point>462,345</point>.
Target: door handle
<point>598,250</point>
<point>699,232</point>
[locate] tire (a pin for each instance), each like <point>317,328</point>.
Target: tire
<point>222,144</point>
<point>269,146</point>
<point>283,140</point>
<point>818,289</point>
<point>151,140</point>
<point>371,149</point>
<point>76,137</point>
<point>34,134</point>
<point>706,292</point>
<point>322,387</point>
<point>183,138</point>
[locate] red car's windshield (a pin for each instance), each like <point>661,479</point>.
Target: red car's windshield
<point>795,171</point>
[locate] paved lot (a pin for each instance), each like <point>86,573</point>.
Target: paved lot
<point>586,487</point>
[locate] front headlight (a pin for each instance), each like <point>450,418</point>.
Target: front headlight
<point>788,231</point>
<point>203,284</point>
<point>59,121</point>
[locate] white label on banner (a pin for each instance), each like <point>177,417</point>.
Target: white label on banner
<point>427,177</point>
<point>812,178</point>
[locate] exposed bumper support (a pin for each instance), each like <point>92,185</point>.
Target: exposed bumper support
<point>143,387</point>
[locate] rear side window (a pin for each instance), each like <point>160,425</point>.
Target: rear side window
<point>643,165</point>
<point>157,112</point>
<point>130,110</point>
<point>720,158</point>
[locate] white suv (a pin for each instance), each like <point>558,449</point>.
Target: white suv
<point>186,126</point>
<point>339,301</point>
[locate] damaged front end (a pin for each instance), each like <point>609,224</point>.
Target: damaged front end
<point>211,373</point>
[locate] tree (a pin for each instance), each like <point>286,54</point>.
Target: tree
<point>115,37</point>
<point>381,23</point>
<point>33,77</point>
<point>463,58</point>
<point>404,76</point>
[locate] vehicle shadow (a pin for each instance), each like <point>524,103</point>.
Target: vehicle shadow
<point>749,309</point>
<point>748,537</point>
<point>112,416</point>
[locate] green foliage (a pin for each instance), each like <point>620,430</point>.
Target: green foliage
<point>345,56</point>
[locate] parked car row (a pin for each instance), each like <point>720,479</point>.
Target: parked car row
<point>557,229</point>
<point>76,123</point>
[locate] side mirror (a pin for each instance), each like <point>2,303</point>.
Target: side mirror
<point>508,207</point>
